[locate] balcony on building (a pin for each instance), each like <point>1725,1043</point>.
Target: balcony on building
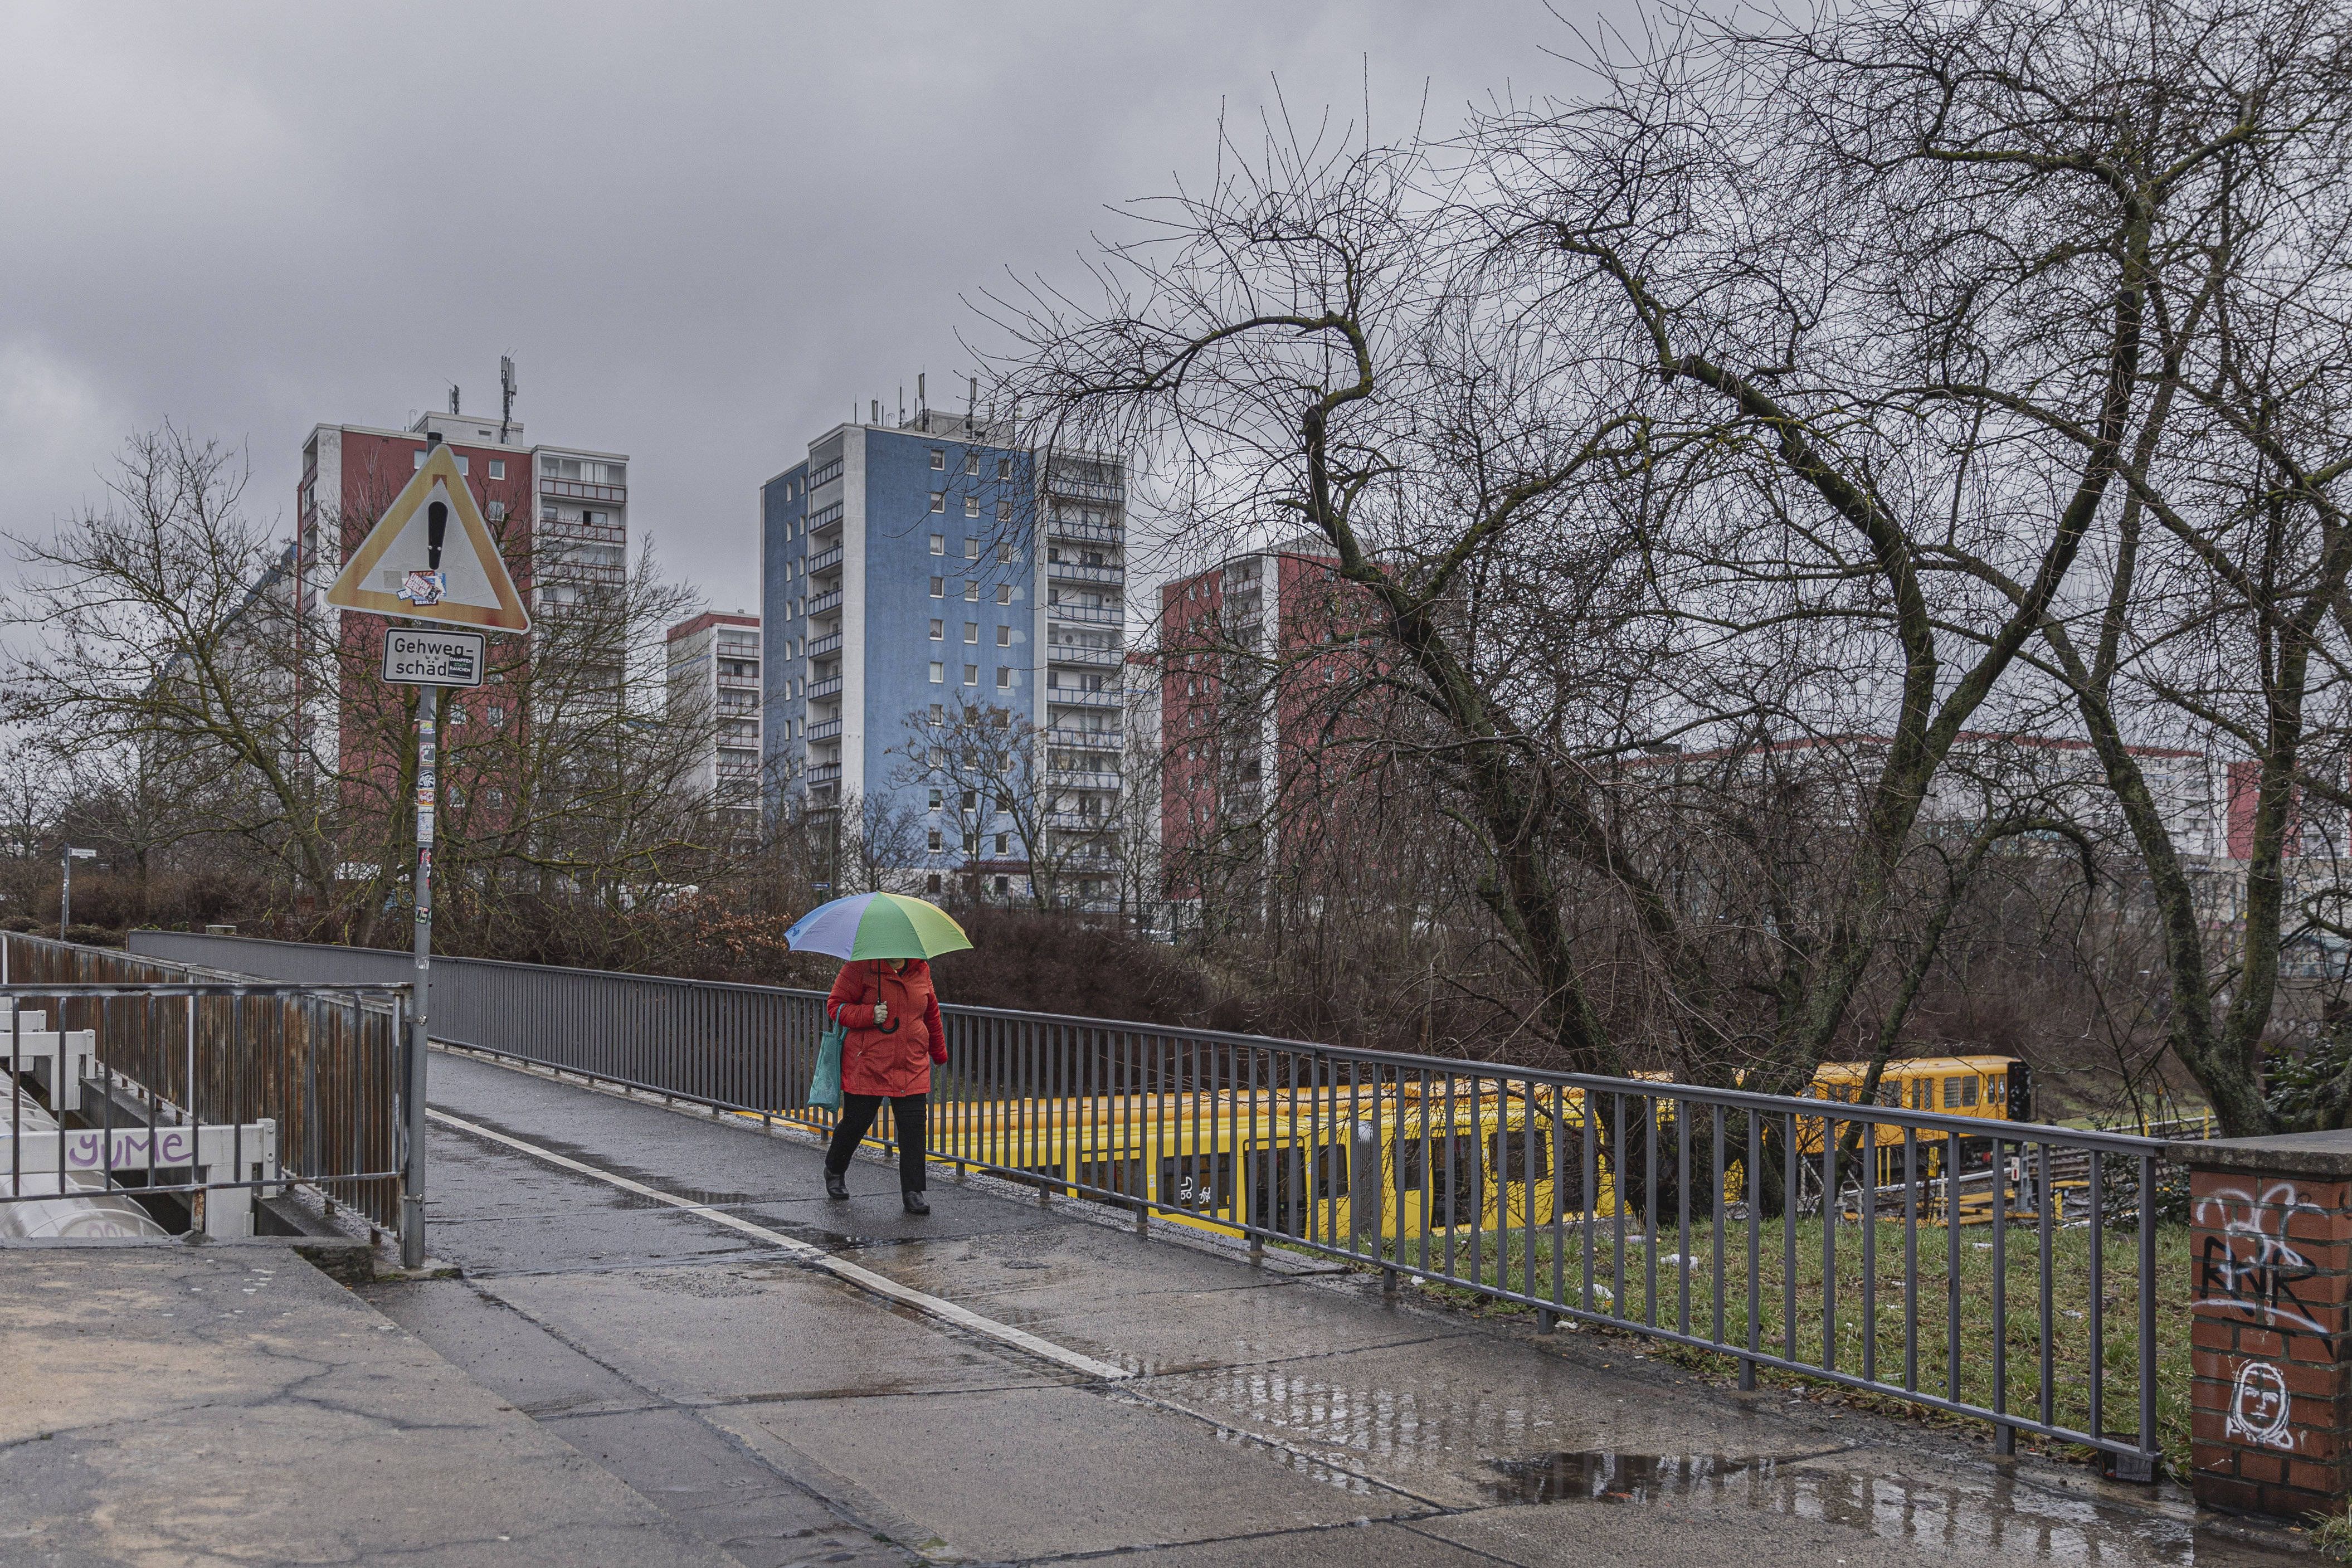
<point>820,691</point>
<point>825,730</point>
<point>1079,572</point>
<point>1090,657</point>
<point>1069,696</point>
<point>1104,738</point>
<point>830,561</point>
<point>1084,614</point>
<point>1080,778</point>
<point>1079,527</point>
<point>825,773</point>
<point>825,646</point>
<point>825,604</point>
<point>576,489</point>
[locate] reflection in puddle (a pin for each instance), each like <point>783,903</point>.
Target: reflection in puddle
<point>1998,1514</point>
<point>1596,1474</point>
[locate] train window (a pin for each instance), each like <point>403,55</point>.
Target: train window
<point>1923,1094</point>
<point>1996,1089</point>
<point>1890,1093</point>
<point>1446,1177</point>
<point>1521,1156</point>
<point>1115,1176</point>
<point>1203,1182</point>
<point>1958,1092</point>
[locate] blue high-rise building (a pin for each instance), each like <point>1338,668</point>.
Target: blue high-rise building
<point>916,569</point>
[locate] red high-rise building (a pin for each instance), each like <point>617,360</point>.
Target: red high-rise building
<point>1256,653</point>
<point>560,516</point>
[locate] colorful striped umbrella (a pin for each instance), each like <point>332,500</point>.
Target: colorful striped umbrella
<point>876,925</point>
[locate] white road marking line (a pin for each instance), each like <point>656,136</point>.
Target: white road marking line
<point>814,1257</point>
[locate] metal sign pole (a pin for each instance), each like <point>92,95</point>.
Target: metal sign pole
<point>412,1202</point>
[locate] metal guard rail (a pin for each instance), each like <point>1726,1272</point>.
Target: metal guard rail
<point>1265,1137</point>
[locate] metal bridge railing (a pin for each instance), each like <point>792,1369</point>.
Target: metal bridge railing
<point>2002,1270</point>
<point>163,1078</point>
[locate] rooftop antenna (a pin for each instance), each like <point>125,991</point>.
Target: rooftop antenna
<point>971,399</point>
<point>902,405</point>
<point>876,405</point>
<point>922,398</point>
<point>452,397</point>
<point>506,395</point>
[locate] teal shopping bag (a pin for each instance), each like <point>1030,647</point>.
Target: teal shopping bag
<point>824,1084</point>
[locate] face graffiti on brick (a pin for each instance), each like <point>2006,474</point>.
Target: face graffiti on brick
<point>2259,1406</point>
<point>2247,1265</point>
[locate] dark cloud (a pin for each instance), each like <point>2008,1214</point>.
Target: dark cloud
<point>702,230</point>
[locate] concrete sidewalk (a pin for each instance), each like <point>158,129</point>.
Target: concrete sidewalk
<point>230,1404</point>
<point>1283,1413</point>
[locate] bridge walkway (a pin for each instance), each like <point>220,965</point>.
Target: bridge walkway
<point>667,1294</point>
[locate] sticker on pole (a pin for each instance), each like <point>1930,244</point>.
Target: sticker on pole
<point>432,558</point>
<point>414,657</point>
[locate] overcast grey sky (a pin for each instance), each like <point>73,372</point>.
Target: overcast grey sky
<point>702,230</point>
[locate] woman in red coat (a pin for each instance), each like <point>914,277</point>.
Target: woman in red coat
<point>893,1019</point>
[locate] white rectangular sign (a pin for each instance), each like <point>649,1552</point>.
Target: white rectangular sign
<point>434,659</point>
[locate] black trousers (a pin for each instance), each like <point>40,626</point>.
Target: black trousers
<point>907,1113</point>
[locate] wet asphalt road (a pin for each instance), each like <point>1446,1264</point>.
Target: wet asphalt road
<point>1276,1413</point>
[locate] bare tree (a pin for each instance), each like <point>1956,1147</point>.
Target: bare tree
<point>158,632</point>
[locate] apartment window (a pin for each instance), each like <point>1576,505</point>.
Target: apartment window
<point>939,541</point>
<point>935,806</point>
<point>1004,555</point>
<point>497,715</point>
<point>971,506</point>
<point>972,593</point>
<point>971,548</point>
<point>462,466</point>
<point>971,801</point>
<point>938,500</point>
<point>1004,679</point>
<point>1004,593</point>
<point>939,458</point>
<point>971,462</point>
<point>972,631</point>
<point>1003,886</point>
<point>1003,842</point>
<point>498,467</point>
<point>939,630</point>
<point>938,588</point>
<point>938,840</point>
<point>1004,511</point>
<point>939,714</point>
<point>939,673</point>
<point>932,882</point>
<point>1004,468</point>
<point>1004,637</point>
<point>972,675</point>
<point>456,717</point>
<point>496,512</point>
<point>416,458</point>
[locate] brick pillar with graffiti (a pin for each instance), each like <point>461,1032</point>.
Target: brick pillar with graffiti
<point>2270,1273</point>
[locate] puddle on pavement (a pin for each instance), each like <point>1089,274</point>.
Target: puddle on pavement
<point>1599,1475</point>
<point>2000,1513</point>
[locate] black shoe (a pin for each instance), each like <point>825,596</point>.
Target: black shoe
<point>916,1203</point>
<point>836,1187</point>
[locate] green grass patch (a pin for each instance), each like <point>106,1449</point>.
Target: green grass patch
<point>1884,1319</point>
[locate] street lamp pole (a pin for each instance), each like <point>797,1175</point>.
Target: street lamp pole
<point>66,856</point>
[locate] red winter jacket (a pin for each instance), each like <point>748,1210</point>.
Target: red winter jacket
<point>896,1058</point>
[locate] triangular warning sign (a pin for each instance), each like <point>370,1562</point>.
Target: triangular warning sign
<point>431,558</point>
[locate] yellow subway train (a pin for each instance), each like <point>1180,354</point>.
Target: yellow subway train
<point>1442,1154</point>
